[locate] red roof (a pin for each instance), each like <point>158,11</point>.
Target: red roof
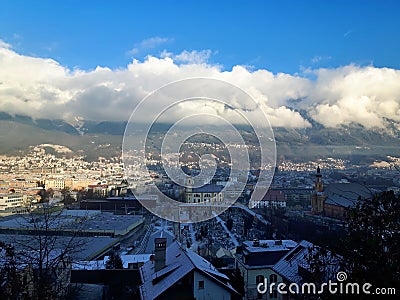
<point>274,195</point>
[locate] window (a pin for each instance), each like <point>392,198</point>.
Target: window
<point>201,285</point>
<point>274,294</point>
<point>273,278</point>
<point>259,279</point>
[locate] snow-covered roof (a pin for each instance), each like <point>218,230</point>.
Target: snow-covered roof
<point>179,262</point>
<point>270,245</point>
<point>89,265</point>
<point>132,258</point>
<point>288,266</point>
<point>161,232</point>
<point>101,264</point>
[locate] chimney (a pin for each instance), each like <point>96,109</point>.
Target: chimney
<point>160,246</point>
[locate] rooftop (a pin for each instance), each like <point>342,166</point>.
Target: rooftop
<point>179,262</point>
<point>346,194</point>
<point>288,266</point>
<point>82,248</point>
<point>101,264</point>
<point>72,220</point>
<point>208,188</point>
<point>269,245</point>
<point>159,233</point>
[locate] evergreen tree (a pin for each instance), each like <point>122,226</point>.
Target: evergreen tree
<point>114,261</point>
<point>370,252</point>
<point>371,249</point>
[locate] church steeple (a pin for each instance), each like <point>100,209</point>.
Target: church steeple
<point>318,197</point>
<point>319,185</point>
<point>189,189</point>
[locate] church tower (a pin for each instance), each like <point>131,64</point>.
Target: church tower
<point>318,197</point>
<point>189,184</point>
<point>319,185</point>
<point>189,189</point>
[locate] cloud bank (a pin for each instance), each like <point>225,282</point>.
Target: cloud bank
<point>42,88</point>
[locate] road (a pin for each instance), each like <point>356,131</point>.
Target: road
<point>231,236</point>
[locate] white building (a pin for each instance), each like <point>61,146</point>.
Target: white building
<point>209,193</point>
<point>55,184</point>
<point>9,202</point>
<point>271,199</point>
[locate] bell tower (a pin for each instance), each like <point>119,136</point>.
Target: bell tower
<point>189,189</point>
<point>318,197</point>
<point>319,185</point>
<point>189,184</point>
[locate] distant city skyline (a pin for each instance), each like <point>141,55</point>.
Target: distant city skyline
<point>71,60</point>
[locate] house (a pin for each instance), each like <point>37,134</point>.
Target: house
<point>161,231</point>
<point>294,268</point>
<point>226,257</point>
<point>255,261</point>
<point>272,199</point>
<point>178,273</point>
<point>297,197</point>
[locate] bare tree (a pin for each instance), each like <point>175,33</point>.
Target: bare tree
<point>45,249</point>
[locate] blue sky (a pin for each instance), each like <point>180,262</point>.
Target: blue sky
<point>280,36</point>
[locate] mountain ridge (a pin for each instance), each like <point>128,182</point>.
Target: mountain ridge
<point>19,131</point>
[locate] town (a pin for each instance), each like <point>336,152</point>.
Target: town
<point>92,206</point>
<point>199,150</point>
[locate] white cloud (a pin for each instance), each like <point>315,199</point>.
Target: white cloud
<point>148,44</point>
<point>364,95</point>
<point>193,57</point>
<point>5,45</point>
<point>189,57</point>
<point>42,88</point>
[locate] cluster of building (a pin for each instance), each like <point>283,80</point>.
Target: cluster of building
<point>174,271</point>
<point>49,240</point>
<point>227,257</point>
<point>24,180</point>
